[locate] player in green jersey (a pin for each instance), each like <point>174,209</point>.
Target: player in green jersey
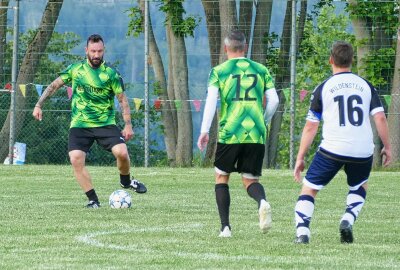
<point>241,84</point>
<point>94,86</point>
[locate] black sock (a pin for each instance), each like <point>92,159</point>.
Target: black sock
<point>125,179</point>
<point>256,191</point>
<point>92,196</point>
<point>223,202</point>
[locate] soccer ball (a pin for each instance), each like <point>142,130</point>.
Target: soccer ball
<point>120,199</point>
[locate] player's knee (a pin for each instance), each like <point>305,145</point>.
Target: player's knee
<point>77,159</point>
<point>122,155</point>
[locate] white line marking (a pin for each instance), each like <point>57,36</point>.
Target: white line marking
<point>89,239</point>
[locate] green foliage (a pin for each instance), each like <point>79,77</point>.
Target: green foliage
<point>312,69</point>
<point>378,66</point>
<point>377,14</point>
<point>271,52</point>
<point>174,11</point>
<point>136,22</point>
<point>174,15</point>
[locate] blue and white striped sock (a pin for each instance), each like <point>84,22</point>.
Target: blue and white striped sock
<point>304,210</point>
<point>355,201</point>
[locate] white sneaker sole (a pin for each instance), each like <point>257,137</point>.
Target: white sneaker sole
<point>264,214</point>
<point>225,233</point>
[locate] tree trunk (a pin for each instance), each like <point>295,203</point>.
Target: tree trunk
<point>184,146</point>
<point>393,117</point>
<point>261,29</point>
<point>166,111</point>
<point>170,89</point>
<point>282,80</point>
<point>302,23</point>
<point>245,16</point>
<point>363,36</point>
<point>211,9</point>
<point>3,41</point>
<point>28,69</point>
<point>228,16</point>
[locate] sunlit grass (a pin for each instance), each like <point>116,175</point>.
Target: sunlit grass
<point>175,225</point>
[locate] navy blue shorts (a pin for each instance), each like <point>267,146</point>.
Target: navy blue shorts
<point>241,158</point>
<point>326,165</point>
<point>83,138</point>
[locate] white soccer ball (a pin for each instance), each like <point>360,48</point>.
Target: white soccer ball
<point>120,199</point>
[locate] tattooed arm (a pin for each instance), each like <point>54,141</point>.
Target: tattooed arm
<point>127,132</point>
<point>50,90</point>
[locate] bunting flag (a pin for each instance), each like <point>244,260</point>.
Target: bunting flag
<point>23,89</point>
<point>303,94</point>
<point>286,93</point>
<point>8,86</point>
<point>197,104</point>
<point>39,89</point>
<point>137,102</point>
<point>69,92</point>
<point>157,104</point>
<point>388,99</point>
<point>178,105</point>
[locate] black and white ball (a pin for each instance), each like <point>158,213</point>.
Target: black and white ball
<point>120,199</point>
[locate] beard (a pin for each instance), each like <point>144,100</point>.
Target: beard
<point>95,62</point>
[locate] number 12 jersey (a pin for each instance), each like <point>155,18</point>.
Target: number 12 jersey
<point>242,84</point>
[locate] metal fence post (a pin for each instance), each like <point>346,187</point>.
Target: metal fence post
<point>14,74</point>
<point>146,83</point>
<point>292,85</point>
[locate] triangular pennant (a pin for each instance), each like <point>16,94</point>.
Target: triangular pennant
<point>39,89</point>
<point>178,105</point>
<point>23,89</point>
<point>303,94</point>
<point>157,104</point>
<point>388,99</point>
<point>69,92</point>
<point>8,86</point>
<point>137,102</point>
<point>286,93</point>
<point>197,104</point>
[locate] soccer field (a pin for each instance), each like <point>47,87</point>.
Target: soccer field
<point>175,225</point>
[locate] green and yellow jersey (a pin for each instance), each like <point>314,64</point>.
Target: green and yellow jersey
<point>93,92</point>
<point>242,84</point>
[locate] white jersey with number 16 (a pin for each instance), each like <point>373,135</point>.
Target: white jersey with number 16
<point>344,103</point>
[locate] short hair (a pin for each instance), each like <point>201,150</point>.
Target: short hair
<point>342,54</point>
<point>235,40</point>
<point>94,39</point>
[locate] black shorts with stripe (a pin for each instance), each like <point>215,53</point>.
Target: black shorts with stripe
<point>241,158</point>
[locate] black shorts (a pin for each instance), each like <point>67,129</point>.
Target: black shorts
<point>241,158</point>
<point>83,138</point>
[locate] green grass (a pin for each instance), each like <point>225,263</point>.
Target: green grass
<point>175,225</point>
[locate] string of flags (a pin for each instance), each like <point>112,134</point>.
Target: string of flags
<point>157,103</point>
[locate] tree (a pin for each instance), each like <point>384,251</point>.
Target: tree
<point>393,117</point>
<point>29,67</point>
<point>282,79</point>
<point>213,21</point>
<point>375,25</point>
<point>177,121</point>
<point>3,41</point>
<point>160,84</point>
<point>312,68</point>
